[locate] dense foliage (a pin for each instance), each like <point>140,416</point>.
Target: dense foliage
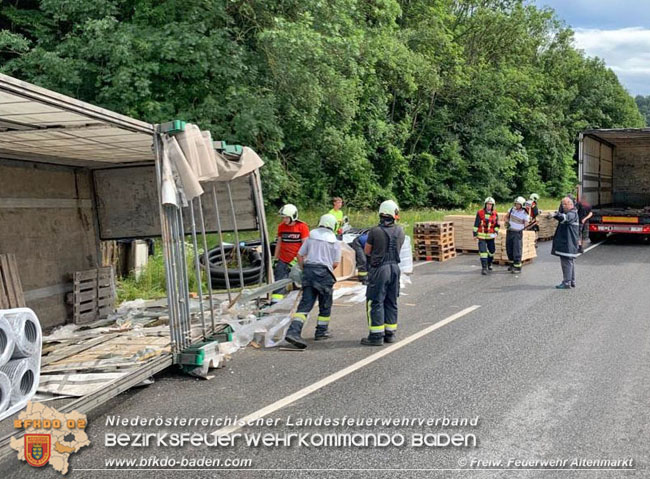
<point>434,102</point>
<point>643,102</point>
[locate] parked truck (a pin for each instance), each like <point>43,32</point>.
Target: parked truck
<point>614,173</point>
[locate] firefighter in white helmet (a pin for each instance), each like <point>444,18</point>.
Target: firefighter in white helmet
<point>486,228</point>
<point>516,220</point>
<point>291,234</point>
<point>318,257</point>
<point>383,246</point>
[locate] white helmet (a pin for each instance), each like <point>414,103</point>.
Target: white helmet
<point>389,208</point>
<point>290,211</point>
<point>327,221</point>
<point>521,200</point>
<point>489,199</point>
<point>528,203</point>
<point>534,196</point>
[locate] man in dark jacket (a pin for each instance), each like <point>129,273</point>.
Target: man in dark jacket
<point>565,242</point>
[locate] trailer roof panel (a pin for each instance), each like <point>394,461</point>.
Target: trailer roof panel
<point>37,124</point>
<point>617,136</point>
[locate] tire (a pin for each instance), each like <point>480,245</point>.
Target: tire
<point>597,237</point>
<point>252,274</point>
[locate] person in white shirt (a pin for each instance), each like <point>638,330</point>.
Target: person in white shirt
<point>516,220</point>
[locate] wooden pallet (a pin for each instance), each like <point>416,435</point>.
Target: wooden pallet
<point>436,257</point>
<point>433,237</point>
<point>433,249</point>
<point>11,289</point>
<point>435,242</point>
<point>94,295</point>
<point>433,227</point>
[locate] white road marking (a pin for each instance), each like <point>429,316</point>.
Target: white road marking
<point>592,247</point>
<point>271,408</point>
<point>416,265</point>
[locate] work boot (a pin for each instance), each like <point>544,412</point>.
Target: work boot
<point>516,270</point>
<point>562,286</point>
<point>293,334</point>
<point>489,266</point>
<point>320,335</point>
<point>484,271</point>
<point>510,267</point>
<point>390,338</point>
<point>573,284</point>
<point>373,341</point>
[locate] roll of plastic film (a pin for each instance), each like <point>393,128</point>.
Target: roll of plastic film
<point>27,332</point>
<point>23,377</point>
<point>6,341</point>
<point>5,391</point>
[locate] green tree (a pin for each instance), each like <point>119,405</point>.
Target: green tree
<point>432,102</point>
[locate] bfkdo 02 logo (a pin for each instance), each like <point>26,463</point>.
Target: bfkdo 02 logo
<point>37,449</point>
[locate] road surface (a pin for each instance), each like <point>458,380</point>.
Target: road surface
<point>551,378</point>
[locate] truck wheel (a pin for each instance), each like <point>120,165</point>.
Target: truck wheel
<point>597,237</point>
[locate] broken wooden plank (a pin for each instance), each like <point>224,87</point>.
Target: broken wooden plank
<point>76,384</point>
<point>11,290</point>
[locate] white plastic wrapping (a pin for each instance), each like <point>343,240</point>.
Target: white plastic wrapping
<point>6,342</point>
<point>406,256</point>
<point>5,391</point>
<point>271,328</point>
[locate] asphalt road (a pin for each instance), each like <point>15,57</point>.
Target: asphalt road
<point>548,375</point>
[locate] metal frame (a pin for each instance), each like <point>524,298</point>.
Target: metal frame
<point>173,240</point>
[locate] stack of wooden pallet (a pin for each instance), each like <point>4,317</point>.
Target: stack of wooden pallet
<point>529,252</point>
<point>547,227</point>
<point>464,231</point>
<point>434,240</point>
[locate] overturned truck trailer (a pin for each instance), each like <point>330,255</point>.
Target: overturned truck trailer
<point>614,173</point>
<point>73,174</point>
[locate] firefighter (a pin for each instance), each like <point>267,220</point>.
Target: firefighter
<point>533,212</point>
<point>318,257</point>
<point>486,228</point>
<point>358,245</point>
<point>291,234</point>
<point>516,221</point>
<point>383,246</point>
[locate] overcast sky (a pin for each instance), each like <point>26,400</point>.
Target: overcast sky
<point>618,31</point>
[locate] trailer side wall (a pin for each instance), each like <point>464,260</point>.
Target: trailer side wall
<point>47,219</point>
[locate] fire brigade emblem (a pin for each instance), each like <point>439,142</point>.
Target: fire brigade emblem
<point>37,449</point>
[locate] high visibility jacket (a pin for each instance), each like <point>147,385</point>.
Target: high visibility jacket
<point>486,227</point>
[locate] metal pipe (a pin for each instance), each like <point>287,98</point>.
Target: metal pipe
<point>172,284</point>
<point>263,226</point>
<point>223,253</point>
<point>234,225</point>
<point>185,282</point>
<point>206,262</point>
<point>197,268</point>
<point>178,264</point>
<point>166,244</point>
